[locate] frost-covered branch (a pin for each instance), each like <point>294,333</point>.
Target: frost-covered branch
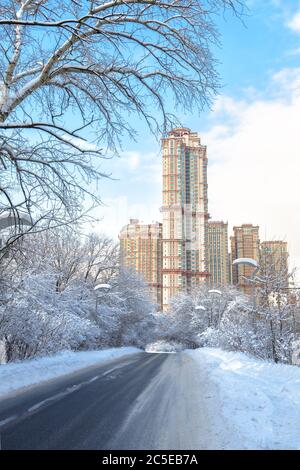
<point>76,70</point>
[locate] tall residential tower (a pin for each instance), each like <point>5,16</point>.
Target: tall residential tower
<point>244,244</point>
<point>185,213</point>
<point>218,257</point>
<point>274,259</point>
<point>141,251</point>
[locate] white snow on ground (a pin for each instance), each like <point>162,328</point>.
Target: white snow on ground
<point>15,376</point>
<point>260,401</point>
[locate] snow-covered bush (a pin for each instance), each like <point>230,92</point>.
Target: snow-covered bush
<point>38,320</point>
<point>209,338</point>
<point>126,311</point>
<point>227,319</point>
<point>48,302</point>
<point>181,321</point>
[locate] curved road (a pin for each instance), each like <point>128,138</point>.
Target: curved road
<point>141,401</point>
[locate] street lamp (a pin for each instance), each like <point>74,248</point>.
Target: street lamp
<point>218,293</point>
<point>248,261</point>
<point>215,291</point>
<point>253,263</point>
<point>102,286</point>
<point>99,287</point>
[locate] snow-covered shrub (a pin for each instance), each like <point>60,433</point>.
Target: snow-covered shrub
<point>227,319</point>
<point>192,315</point>
<point>37,320</point>
<point>48,302</point>
<point>125,313</point>
<point>181,321</point>
<point>209,338</point>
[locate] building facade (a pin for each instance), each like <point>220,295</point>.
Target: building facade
<point>141,251</point>
<point>218,257</point>
<point>244,244</point>
<point>185,213</point>
<point>229,270</point>
<point>274,259</point>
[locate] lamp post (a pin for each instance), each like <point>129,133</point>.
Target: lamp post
<point>200,307</point>
<point>104,288</point>
<point>253,263</point>
<point>215,291</point>
<point>218,293</point>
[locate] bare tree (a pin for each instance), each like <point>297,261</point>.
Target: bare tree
<point>275,305</point>
<point>100,258</point>
<point>77,69</point>
<point>91,258</point>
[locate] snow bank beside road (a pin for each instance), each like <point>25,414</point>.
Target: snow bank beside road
<point>18,375</point>
<point>260,400</point>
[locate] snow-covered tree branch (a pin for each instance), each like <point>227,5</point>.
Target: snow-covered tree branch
<point>77,70</point>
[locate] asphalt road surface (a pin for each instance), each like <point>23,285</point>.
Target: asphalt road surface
<point>141,401</point>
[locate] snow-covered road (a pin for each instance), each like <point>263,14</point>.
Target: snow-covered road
<point>179,409</point>
<point>202,399</point>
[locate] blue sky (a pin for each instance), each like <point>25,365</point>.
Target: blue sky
<point>251,50</point>
<point>252,133</point>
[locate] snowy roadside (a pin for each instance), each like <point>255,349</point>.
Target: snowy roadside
<point>15,376</point>
<point>260,400</point>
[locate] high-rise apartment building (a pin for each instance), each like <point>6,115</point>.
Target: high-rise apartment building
<point>141,250</point>
<point>274,259</point>
<point>244,244</point>
<point>218,258</point>
<point>185,213</point>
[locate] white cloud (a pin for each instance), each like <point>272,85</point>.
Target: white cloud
<point>254,171</point>
<point>286,83</point>
<point>117,211</point>
<point>293,52</point>
<point>294,23</point>
<point>150,174</point>
<point>137,162</point>
<point>132,160</point>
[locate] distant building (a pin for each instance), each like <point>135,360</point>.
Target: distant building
<point>141,251</point>
<point>229,268</point>
<point>244,244</point>
<point>218,257</point>
<point>274,259</point>
<point>185,213</point>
